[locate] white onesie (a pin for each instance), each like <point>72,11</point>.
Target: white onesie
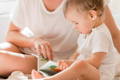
<point>99,40</point>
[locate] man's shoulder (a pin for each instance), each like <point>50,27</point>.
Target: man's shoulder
<point>28,1</point>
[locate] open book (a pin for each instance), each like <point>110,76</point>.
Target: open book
<point>49,68</point>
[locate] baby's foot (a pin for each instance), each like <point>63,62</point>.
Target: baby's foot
<point>36,75</point>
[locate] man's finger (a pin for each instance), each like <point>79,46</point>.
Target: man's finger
<point>49,54</point>
<point>37,49</point>
<point>43,51</point>
<point>50,49</point>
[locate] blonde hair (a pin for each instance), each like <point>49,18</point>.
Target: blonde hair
<point>97,5</point>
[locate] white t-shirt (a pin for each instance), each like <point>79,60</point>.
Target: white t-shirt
<point>51,25</point>
<point>99,40</point>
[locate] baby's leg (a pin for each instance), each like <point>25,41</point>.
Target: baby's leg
<point>12,59</point>
<point>80,70</point>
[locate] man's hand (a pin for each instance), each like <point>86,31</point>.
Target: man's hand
<point>43,48</point>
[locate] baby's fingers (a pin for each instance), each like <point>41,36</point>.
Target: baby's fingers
<point>62,65</point>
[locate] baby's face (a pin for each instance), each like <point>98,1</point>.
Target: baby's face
<point>81,19</point>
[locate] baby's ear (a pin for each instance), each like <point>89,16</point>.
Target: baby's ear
<point>93,14</point>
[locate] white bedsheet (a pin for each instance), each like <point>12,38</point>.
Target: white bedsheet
<point>20,76</point>
<point>17,75</point>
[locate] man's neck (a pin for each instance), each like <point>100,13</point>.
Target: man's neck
<point>51,5</point>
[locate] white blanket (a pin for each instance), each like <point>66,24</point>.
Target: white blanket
<point>17,75</point>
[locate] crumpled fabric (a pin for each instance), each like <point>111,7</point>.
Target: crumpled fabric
<point>17,75</point>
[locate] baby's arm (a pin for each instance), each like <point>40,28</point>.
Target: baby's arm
<point>96,59</point>
<point>63,64</point>
<point>74,56</point>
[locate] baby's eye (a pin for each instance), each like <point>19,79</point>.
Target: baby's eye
<point>76,23</point>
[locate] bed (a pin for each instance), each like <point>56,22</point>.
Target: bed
<point>4,20</point>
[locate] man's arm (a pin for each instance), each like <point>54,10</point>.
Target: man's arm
<point>14,36</point>
<point>115,32</point>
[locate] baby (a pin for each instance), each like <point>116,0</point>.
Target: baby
<point>95,45</point>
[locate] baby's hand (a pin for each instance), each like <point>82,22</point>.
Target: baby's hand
<point>63,64</point>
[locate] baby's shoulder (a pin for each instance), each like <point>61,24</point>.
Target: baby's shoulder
<point>101,32</point>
